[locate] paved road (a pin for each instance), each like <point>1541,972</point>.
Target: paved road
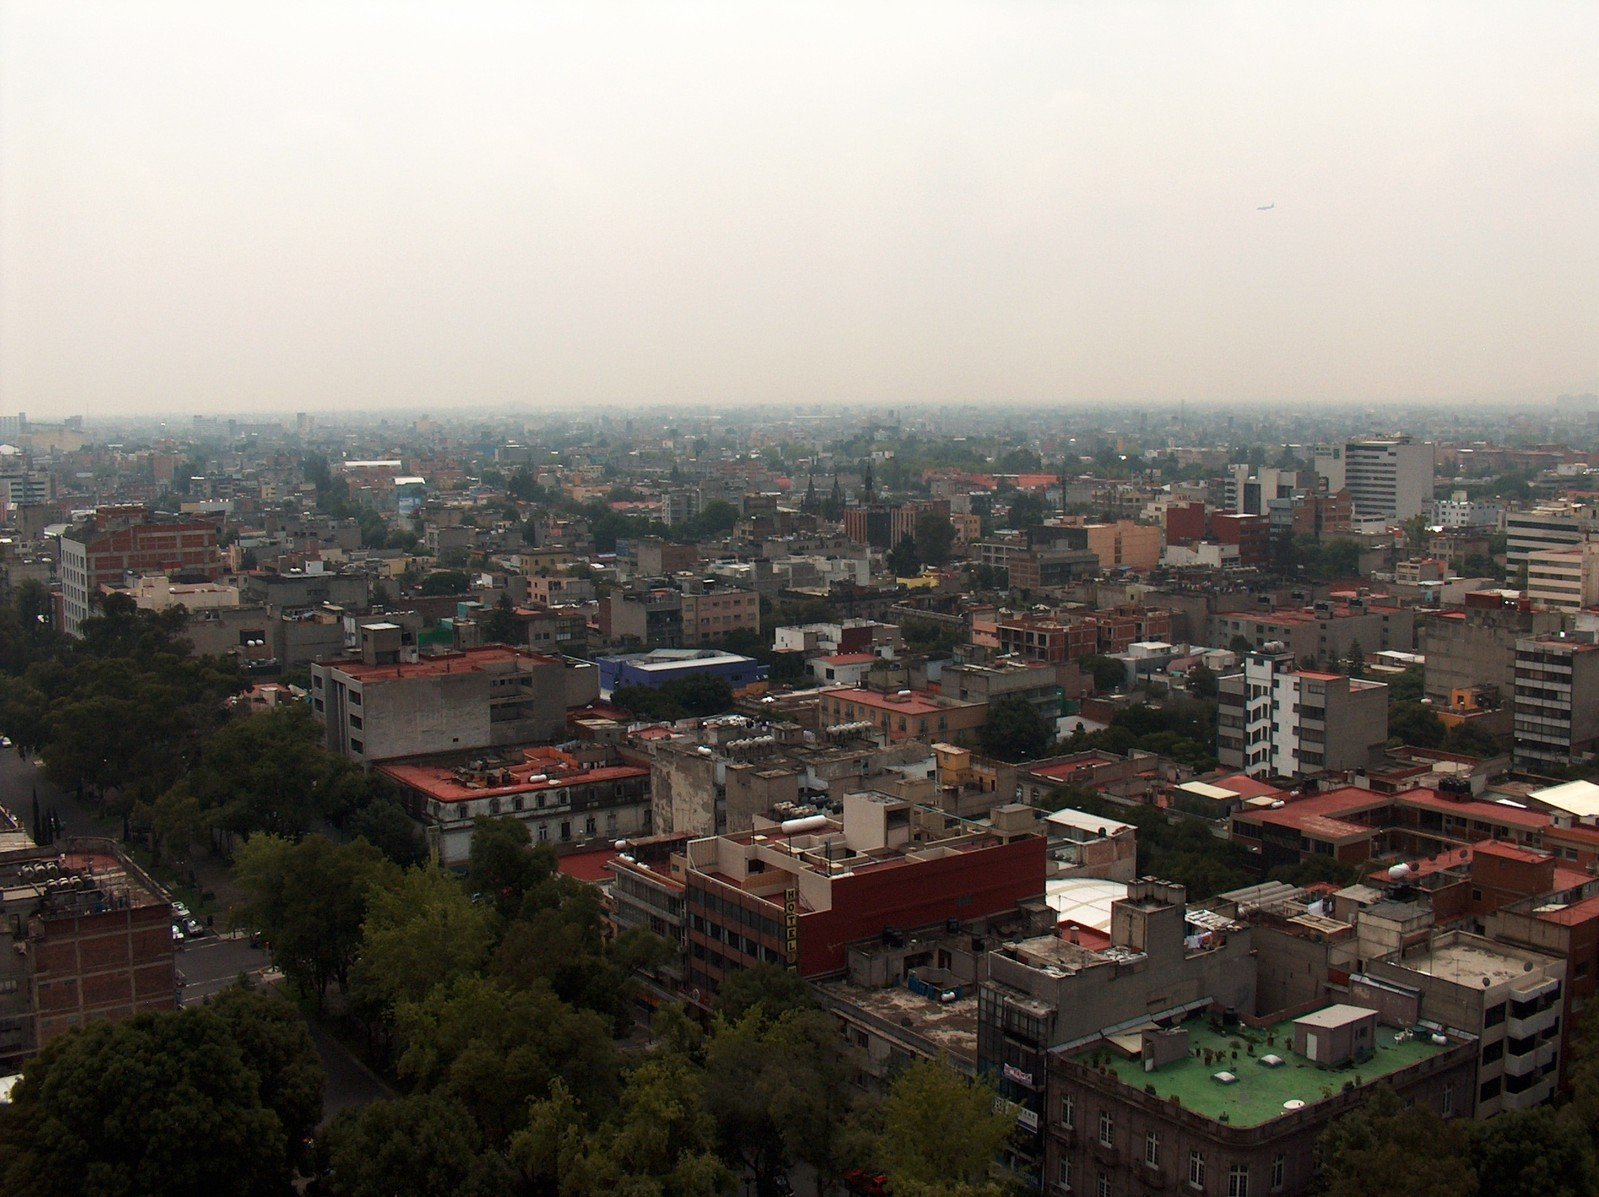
<point>350,1082</point>
<point>18,780</point>
<point>210,964</point>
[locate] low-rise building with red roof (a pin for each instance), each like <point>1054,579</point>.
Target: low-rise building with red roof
<point>904,714</point>
<point>566,800</point>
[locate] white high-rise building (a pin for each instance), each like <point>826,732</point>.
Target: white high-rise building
<point>1566,579</point>
<point>1553,525</point>
<point>1389,478</point>
<point>1276,719</point>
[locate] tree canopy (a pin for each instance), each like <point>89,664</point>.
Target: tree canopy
<point>696,696</point>
<point>178,1103</point>
<point>420,932</point>
<point>310,900</point>
<point>1015,731</point>
<point>939,1128</point>
<point>425,1142</point>
<point>1410,1147</point>
<point>493,1048</point>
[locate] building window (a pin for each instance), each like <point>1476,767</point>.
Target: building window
<point>1152,1149</point>
<point>1063,1174</point>
<point>1493,1015</point>
<point>1068,1111</point>
<point>1449,1099</point>
<point>1102,1188</point>
<point>1196,1169</point>
<point>1279,1165</point>
<point>1238,1180</point>
<point>544,833</point>
<point>357,747</point>
<point>1107,1128</point>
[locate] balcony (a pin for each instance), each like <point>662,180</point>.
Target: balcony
<point>1534,1061</point>
<point>1531,1024</point>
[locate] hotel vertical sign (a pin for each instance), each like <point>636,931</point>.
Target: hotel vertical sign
<point>791,925</point>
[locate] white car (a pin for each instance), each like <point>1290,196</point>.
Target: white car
<point>177,934</point>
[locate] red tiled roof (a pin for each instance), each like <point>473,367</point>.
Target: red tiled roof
<point>1246,786</point>
<point>553,769</point>
<point>916,704</point>
<point>1511,816</point>
<point>1511,852</point>
<point>464,661</point>
<point>1577,912</point>
<point>591,866</point>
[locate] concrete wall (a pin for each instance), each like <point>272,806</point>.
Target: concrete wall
<point>753,789</point>
<point>1477,649</point>
<point>683,793</point>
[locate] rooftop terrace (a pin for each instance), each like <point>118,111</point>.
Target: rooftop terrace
<point>1257,1096</point>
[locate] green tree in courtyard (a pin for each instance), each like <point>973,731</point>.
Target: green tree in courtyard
<point>940,1129</point>
<point>1015,731</point>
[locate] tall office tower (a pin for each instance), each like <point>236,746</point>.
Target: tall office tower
<point>1389,478</point>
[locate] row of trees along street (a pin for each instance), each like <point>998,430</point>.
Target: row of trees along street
<point>140,728</point>
<point>504,1014</point>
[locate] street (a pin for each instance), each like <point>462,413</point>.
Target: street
<point>210,964</point>
<point>207,965</point>
<point>18,780</point>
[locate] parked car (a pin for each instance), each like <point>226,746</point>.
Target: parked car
<point>177,933</point>
<point>193,929</point>
<point>867,1183</point>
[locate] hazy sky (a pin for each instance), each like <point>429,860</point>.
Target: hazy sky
<point>219,205</point>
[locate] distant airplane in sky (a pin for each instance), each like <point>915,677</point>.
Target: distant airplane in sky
<point>1267,207</point>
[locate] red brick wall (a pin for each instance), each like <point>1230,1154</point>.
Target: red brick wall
<point>110,965</point>
<point>964,886</point>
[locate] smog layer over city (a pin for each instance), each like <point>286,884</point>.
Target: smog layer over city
<point>694,599</point>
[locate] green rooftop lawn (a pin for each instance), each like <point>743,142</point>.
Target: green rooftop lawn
<point>1258,1094</point>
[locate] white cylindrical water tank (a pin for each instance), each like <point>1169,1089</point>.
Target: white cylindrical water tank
<point>808,823</point>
